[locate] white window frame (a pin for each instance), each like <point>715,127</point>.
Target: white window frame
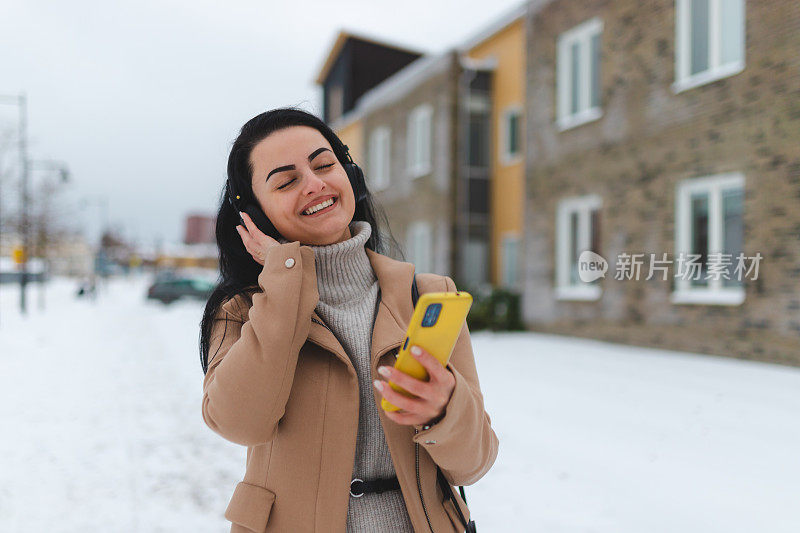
<point>509,238</point>
<point>683,52</point>
<point>715,293</point>
<point>506,157</point>
<point>583,205</point>
<point>476,255</point>
<point>418,241</point>
<point>581,34</point>
<point>418,140</point>
<point>380,149</point>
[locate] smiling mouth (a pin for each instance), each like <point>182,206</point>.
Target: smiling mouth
<point>325,210</point>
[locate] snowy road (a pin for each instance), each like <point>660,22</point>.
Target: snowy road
<point>102,429</point>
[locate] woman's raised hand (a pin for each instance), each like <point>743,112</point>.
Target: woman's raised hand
<point>255,241</point>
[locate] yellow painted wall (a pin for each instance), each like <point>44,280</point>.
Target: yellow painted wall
<point>353,136</point>
<point>508,88</point>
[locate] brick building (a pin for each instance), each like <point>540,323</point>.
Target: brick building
<point>669,126</point>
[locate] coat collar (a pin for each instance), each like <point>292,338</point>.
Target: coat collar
<point>393,314</point>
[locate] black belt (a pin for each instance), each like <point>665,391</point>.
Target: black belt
<point>358,486</point>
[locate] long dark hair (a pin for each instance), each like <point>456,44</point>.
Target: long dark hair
<point>238,270</point>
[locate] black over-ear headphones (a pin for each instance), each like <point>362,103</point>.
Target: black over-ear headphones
<point>260,219</point>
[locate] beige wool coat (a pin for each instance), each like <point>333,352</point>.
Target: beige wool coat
<point>280,383</point>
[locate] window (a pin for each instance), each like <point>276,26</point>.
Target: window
<point>335,102</point>
<point>577,230</point>
<point>478,195</point>
<point>379,157</point>
<point>419,141</point>
<point>419,242</point>
<point>510,257</point>
<point>709,37</point>
<point>709,225</point>
<point>478,152</point>
<point>510,133</point>
<point>578,76</point>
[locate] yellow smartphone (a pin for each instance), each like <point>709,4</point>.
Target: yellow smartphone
<point>435,326</point>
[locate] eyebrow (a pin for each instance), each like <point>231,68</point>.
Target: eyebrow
<point>313,154</point>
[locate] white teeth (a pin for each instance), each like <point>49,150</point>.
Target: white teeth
<point>323,205</point>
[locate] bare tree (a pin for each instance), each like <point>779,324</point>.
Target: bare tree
<point>8,171</point>
<point>48,217</point>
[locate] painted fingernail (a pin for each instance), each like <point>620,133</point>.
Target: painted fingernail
<point>416,350</point>
<point>383,371</point>
<point>378,384</point>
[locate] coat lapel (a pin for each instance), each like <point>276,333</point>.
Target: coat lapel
<point>394,309</point>
<point>393,314</point>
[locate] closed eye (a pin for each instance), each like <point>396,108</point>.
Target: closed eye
<point>293,179</point>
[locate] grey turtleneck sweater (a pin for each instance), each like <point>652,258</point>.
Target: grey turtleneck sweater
<point>348,291</point>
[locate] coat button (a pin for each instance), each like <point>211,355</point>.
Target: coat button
<point>289,263</point>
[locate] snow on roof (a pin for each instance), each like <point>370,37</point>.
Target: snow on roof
<point>397,85</point>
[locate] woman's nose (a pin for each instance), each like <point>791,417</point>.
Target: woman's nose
<point>313,183</point>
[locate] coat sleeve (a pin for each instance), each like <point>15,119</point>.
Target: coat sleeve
<point>462,442</point>
<point>253,356</point>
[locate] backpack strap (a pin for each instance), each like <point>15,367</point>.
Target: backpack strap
<point>443,483</point>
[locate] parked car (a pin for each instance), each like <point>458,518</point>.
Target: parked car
<point>174,288</point>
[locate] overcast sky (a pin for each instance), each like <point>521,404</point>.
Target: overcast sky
<point>143,99</point>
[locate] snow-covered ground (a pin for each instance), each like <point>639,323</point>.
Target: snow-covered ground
<point>100,404</point>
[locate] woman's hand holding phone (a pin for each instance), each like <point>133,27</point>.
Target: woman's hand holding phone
<point>255,241</point>
<point>431,397</point>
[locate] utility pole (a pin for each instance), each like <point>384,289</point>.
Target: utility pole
<point>23,156</point>
<point>22,102</point>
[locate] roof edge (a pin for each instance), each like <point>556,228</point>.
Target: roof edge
<point>341,39</point>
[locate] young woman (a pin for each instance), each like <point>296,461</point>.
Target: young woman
<point>300,335</point>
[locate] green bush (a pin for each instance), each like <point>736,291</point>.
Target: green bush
<point>494,308</point>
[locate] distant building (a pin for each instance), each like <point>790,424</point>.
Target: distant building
<point>426,138</point>
<point>73,256</point>
<point>70,255</point>
<point>200,229</point>
<point>180,255</point>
